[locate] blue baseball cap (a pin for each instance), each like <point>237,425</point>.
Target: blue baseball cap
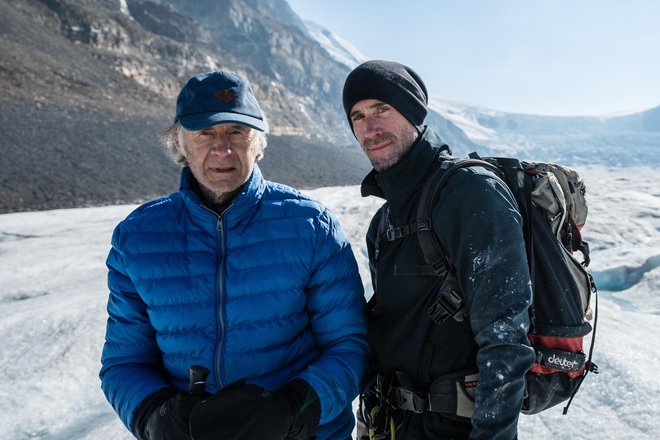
<point>217,98</point>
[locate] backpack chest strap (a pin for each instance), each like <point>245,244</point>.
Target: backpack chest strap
<point>447,302</point>
<point>388,232</point>
<point>396,232</point>
<point>392,233</point>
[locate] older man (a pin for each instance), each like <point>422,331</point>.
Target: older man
<point>426,385</point>
<point>238,277</point>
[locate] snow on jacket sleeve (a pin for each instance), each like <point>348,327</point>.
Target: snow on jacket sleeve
<point>484,240</point>
<point>131,361</point>
<point>336,309</point>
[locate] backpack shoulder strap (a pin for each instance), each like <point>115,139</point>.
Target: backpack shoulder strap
<point>448,300</point>
<point>433,251</point>
<point>381,229</point>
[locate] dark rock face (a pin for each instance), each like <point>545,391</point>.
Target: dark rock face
<point>89,86</point>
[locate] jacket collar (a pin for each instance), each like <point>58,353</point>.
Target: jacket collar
<point>399,183</point>
<point>241,205</point>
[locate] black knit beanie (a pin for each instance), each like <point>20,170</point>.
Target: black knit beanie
<point>390,82</point>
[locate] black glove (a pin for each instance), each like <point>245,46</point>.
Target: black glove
<point>249,412</point>
<point>165,415</point>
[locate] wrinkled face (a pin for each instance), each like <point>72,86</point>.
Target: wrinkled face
<point>384,133</point>
<point>221,158</point>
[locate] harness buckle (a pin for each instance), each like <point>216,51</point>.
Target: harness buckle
<point>407,400</point>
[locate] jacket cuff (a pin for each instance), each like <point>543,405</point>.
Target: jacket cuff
<point>150,404</point>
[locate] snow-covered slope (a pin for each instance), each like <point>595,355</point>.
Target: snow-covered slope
<point>53,296</point>
<point>338,48</point>
<point>620,140</point>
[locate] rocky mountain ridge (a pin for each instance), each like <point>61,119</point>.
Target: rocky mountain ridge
<point>89,86</point>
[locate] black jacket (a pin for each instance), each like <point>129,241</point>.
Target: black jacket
<point>476,220</point>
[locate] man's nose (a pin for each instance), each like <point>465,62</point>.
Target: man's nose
<point>371,127</point>
<point>221,145</point>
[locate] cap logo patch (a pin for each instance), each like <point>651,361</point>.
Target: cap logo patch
<point>225,95</point>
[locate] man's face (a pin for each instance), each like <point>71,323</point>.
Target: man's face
<point>384,133</point>
<point>221,158</point>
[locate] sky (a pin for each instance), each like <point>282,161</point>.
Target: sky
<point>559,58</point>
<point>53,299</point>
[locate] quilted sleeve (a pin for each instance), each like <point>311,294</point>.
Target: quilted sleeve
<point>131,361</point>
<point>336,309</point>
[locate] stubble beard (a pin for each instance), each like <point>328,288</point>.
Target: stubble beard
<point>400,145</point>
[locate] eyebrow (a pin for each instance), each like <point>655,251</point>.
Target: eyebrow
<point>372,106</point>
<point>354,113</point>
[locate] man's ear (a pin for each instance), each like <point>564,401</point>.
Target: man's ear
<point>179,148</point>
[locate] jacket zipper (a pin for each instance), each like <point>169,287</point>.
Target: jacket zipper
<point>221,321</point>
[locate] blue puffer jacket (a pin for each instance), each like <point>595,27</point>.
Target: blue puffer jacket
<point>269,291</point>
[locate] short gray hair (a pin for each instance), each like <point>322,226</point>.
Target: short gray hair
<point>174,135</point>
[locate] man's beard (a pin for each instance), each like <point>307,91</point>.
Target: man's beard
<point>399,146</point>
